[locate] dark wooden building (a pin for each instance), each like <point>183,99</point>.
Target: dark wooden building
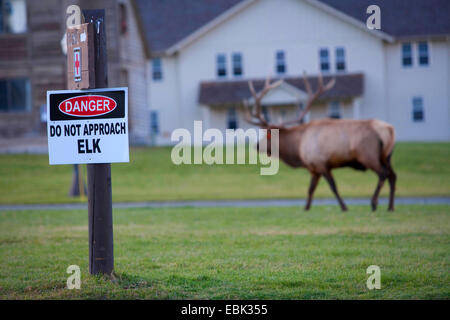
<point>32,61</point>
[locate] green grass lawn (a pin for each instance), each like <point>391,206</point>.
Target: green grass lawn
<point>228,253</point>
<point>423,169</point>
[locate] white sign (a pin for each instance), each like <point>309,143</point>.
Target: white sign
<point>88,126</point>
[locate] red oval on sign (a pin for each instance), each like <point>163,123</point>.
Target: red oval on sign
<point>87,106</point>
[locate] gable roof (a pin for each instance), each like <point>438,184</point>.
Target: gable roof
<point>400,18</point>
<point>219,93</point>
<point>170,21</point>
<point>166,24</point>
<point>284,94</point>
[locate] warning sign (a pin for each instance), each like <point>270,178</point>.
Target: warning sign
<point>88,126</point>
<point>77,64</point>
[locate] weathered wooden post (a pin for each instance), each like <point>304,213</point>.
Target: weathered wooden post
<point>101,249</point>
<point>86,48</point>
<point>89,124</point>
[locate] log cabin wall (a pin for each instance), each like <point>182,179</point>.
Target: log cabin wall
<point>36,55</point>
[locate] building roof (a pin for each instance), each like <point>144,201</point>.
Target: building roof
<point>170,21</point>
<point>166,23</point>
<point>400,18</point>
<point>217,93</point>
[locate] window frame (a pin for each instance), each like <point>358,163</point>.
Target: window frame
<point>4,23</point>
<point>322,57</point>
<point>123,16</point>
<point>331,110</point>
<point>411,57</point>
<point>234,64</point>
<point>160,71</point>
<point>414,111</point>
<point>340,59</point>
<point>154,122</point>
<point>419,56</point>
<point>266,112</point>
<point>280,62</point>
<point>232,116</point>
<point>28,97</point>
<point>218,63</point>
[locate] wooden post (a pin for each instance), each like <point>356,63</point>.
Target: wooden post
<point>101,253</point>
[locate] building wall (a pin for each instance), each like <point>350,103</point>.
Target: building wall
<point>322,111</point>
<point>127,62</point>
<point>133,69</point>
<point>164,97</point>
<point>36,55</point>
<point>430,82</point>
<point>258,32</point>
<point>217,116</point>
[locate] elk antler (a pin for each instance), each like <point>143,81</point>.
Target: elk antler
<point>254,115</point>
<point>312,96</point>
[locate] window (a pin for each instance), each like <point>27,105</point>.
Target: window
<point>221,66</point>
<point>324,60</point>
<point>301,107</point>
<point>423,53</point>
<point>418,112</point>
<point>407,54</point>
<point>237,64</point>
<point>340,59</point>
<point>157,69</point>
<point>15,95</point>
<point>13,16</point>
<point>154,122</point>
<point>123,19</point>
<point>232,119</point>
<point>280,62</point>
<point>265,112</point>
<point>334,110</point>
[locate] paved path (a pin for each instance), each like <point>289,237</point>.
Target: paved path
<point>226,203</point>
<point>33,145</point>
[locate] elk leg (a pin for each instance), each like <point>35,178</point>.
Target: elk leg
<point>333,187</point>
<point>392,180</point>
<point>381,178</point>
<point>312,187</point>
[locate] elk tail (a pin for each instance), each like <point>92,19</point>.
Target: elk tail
<point>386,133</point>
<point>389,144</point>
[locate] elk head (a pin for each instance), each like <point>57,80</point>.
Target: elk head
<point>253,113</point>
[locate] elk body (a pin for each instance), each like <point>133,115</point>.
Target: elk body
<point>323,145</point>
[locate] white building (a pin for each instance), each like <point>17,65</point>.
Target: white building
<point>203,52</point>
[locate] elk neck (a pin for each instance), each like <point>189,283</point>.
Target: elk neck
<point>289,145</point>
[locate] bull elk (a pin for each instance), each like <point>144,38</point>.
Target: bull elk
<point>326,144</point>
